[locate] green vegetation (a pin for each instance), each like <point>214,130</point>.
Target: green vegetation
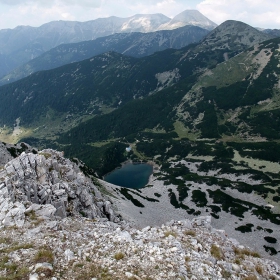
<point>216,252</point>
<point>240,253</point>
<point>220,129</point>
<point>199,198</point>
<point>13,270</point>
<point>238,207</point>
<point>102,160</point>
<point>127,195</point>
<point>119,256</point>
<point>90,271</point>
<point>190,233</point>
<point>272,251</point>
<point>168,233</point>
<point>44,255</point>
<point>270,239</point>
<point>245,228</point>
<point>15,247</point>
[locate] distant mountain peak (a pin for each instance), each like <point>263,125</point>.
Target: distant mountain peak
<point>193,16</point>
<point>231,34</point>
<point>190,17</point>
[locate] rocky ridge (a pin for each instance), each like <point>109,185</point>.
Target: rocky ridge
<point>50,186</point>
<point>10,151</point>
<point>24,43</point>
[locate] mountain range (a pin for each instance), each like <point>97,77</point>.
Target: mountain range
<point>134,44</point>
<point>90,87</point>
<point>273,32</point>
<point>24,43</point>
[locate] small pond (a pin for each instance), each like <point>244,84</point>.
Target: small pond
<point>130,175</point>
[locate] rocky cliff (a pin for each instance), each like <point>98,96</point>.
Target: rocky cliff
<point>55,224</point>
<point>49,185</point>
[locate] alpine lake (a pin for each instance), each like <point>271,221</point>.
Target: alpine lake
<point>130,175</point>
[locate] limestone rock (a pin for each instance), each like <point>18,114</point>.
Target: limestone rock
<point>51,186</point>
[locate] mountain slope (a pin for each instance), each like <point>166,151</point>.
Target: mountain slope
<point>61,98</point>
<point>132,44</point>
<point>231,35</point>
<point>238,94</point>
<point>24,43</point>
<point>213,132</point>
<point>272,32</point>
<point>230,99</point>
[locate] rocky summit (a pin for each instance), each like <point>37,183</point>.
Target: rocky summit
<point>55,223</point>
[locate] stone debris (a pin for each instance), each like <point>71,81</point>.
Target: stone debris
<point>55,224</point>
<point>80,248</point>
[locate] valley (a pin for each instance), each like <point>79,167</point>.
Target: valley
<point>205,114</point>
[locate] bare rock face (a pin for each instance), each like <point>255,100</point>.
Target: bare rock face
<point>51,186</point>
<point>10,151</point>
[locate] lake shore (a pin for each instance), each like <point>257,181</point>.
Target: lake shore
<point>132,175</point>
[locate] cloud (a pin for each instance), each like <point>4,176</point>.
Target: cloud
<point>167,7</point>
<point>44,3</point>
<point>38,12</point>
<point>254,12</point>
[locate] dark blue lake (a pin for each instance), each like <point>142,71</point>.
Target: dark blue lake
<point>134,176</point>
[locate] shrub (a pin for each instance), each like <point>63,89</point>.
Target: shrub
<point>44,255</point>
<point>226,274</point>
<point>18,273</point>
<point>48,272</point>
<point>246,252</point>
<point>259,269</point>
<point>216,252</point>
<point>190,232</point>
<point>168,233</point>
<point>118,256</point>
<point>46,155</point>
<point>237,261</point>
<point>31,215</point>
<point>250,277</point>
<point>5,240</point>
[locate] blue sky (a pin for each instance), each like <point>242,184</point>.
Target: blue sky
<point>258,13</point>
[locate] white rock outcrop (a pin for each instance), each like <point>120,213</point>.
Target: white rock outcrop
<point>51,186</point>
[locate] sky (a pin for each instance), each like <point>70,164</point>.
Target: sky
<point>257,13</point>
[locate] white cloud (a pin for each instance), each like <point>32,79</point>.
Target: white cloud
<point>37,12</point>
<point>90,3</point>
<point>257,13</point>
